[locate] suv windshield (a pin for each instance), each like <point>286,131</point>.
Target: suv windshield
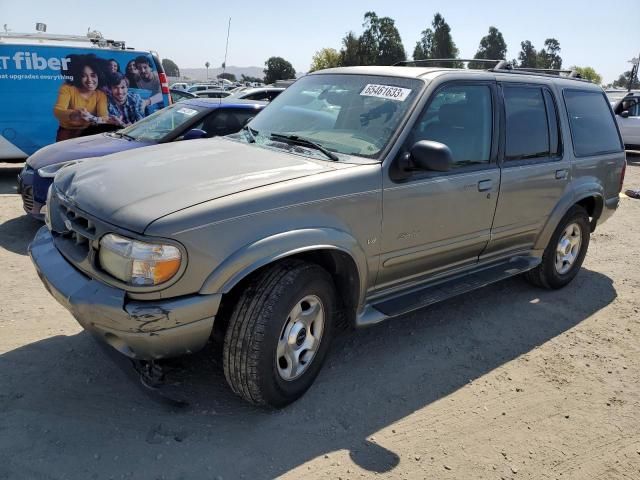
<point>161,123</point>
<point>348,114</point>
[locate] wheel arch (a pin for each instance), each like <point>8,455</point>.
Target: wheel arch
<point>334,250</point>
<point>588,197</point>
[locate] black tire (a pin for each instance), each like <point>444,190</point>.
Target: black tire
<point>546,275</point>
<point>255,326</point>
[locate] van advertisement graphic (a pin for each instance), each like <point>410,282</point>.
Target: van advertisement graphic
<point>50,94</point>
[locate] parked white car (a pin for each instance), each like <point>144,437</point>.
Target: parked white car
<point>627,113</point>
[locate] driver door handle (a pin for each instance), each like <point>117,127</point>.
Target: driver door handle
<point>562,174</point>
<point>484,185</point>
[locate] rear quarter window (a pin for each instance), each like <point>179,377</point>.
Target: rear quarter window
<point>593,128</point>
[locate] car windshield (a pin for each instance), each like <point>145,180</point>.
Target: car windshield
<point>344,114</point>
<point>161,123</point>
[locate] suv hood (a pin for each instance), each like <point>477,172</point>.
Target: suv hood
<point>82,147</point>
<point>132,189</point>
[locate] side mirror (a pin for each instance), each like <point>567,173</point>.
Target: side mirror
<point>430,155</point>
<point>624,114</point>
<point>194,133</point>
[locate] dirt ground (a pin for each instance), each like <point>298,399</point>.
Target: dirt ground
<point>508,382</point>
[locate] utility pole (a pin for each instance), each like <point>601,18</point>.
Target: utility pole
<point>634,72</point>
<point>226,48</point>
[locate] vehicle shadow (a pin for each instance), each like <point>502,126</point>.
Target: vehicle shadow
<point>8,179</point>
<point>16,233</point>
<point>69,402</point>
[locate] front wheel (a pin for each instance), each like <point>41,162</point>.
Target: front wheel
<point>279,333</point>
<point>563,257</point>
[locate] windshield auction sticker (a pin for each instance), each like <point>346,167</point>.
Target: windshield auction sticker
<point>386,91</point>
<point>187,111</point>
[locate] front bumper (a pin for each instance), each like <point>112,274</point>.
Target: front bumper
<point>144,330</point>
<point>26,190</point>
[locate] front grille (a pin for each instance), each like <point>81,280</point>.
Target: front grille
<point>27,198</point>
<point>78,230</point>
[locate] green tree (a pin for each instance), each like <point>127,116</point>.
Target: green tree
<point>249,78</point>
<point>278,69</point>
<point>228,76</point>
<point>436,42</point>
<point>623,81</point>
<point>549,56</point>
<point>380,42</point>
<point>349,53</point>
<point>528,56</point>
<point>492,46</point>
<point>170,68</point>
<point>588,73</point>
<point>325,58</point>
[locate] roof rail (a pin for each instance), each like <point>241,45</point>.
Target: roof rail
<point>93,37</point>
<point>570,73</point>
<point>501,66</point>
<point>425,62</point>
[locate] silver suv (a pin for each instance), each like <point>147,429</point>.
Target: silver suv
<point>360,193</point>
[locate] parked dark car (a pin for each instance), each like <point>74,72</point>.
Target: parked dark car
<point>177,95</point>
<point>186,120</point>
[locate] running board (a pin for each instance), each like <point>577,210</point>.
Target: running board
<point>445,289</point>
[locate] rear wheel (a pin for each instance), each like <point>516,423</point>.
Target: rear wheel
<point>279,333</point>
<point>563,257</point>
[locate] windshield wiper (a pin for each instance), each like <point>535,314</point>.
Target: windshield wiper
<point>118,133</point>
<point>304,142</point>
<point>251,131</point>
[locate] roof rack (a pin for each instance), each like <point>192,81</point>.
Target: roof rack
<point>93,37</point>
<point>502,66</point>
<point>426,61</point>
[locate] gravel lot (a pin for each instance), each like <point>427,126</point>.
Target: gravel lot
<point>506,382</point>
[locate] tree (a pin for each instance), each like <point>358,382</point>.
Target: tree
<point>228,76</point>
<point>549,56</point>
<point>528,56</point>
<point>623,81</point>
<point>588,73</point>
<point>170,68</point>
<point>278,69</point>
<point>437,42</point>
<point>492,46</point>
<point>325,58</point>
<point>248,78</point>
<point>380,43</point>
<point>349,55</point>
<point>207,65</point>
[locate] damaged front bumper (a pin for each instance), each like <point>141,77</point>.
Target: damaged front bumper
<point>144,330</point>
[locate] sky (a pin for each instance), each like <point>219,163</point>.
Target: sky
<point>192,32</point>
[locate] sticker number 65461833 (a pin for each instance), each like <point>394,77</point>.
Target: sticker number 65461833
<point>386,91</point>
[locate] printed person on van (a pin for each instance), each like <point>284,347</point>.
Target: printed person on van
<point>80,102</point>
<point>125,107</point>
<point>132,74</point>
<point>149,81</point>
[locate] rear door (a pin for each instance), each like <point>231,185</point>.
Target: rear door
<point>535,172</point>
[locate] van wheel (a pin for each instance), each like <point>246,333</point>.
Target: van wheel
<point>279,333</point>
<point>565,252</point>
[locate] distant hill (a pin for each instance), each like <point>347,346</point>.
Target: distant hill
<point>200,74</point>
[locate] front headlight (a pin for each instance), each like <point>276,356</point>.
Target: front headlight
<point>137,263</point>
<point>51,170</point>
<point>47,215</point>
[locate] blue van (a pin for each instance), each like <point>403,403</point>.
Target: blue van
<point>57,87</point>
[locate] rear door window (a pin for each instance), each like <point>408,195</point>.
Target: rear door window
<point>527,126</point>
<point>593,128</point>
